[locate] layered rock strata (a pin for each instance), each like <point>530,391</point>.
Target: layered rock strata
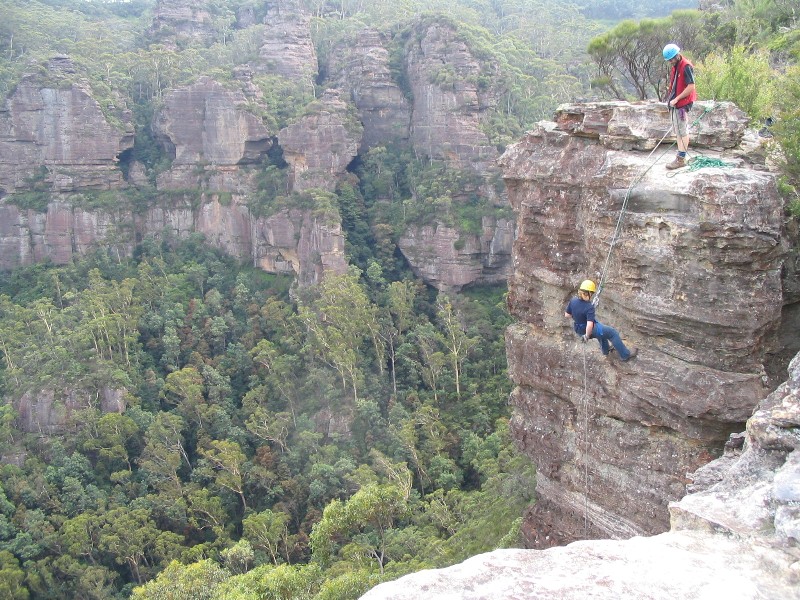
<point>209,133</point>
<point>737,535</point>
<point>449,105</point>
<point>320,146</point>
<point>450,260</point>
<point>361,68</point>
<point>693,280</point>
<point>287,49</point>
<point>55,134</point>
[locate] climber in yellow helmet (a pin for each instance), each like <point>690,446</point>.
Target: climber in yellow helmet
<point>581,309</point>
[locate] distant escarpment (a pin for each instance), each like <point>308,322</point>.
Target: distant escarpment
<point>693,278</point>
<point>250,173</point>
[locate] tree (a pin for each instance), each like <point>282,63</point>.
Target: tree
<point>268,530</point>
<point>739,76</point>
<point>365,519</point>
<point>458,343</point>
<point>197,581</point>
<point>12,578</point>
<point>629,60</point>
<point>228,461</point>
<point>339,318</point>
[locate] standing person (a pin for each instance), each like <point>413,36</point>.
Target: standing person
<point>680,97</point>
<point>587,326</point>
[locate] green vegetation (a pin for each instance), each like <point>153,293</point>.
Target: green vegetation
<point>355,435</point>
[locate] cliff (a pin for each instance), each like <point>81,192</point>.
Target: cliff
<point>693,281</point>
<point>70,180</point>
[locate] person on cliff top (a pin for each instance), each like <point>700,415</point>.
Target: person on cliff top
<point>681,95</point>
<point>581,309</point>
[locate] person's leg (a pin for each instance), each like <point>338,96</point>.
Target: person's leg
<point>679,117</point>
<point>612,335</point>
<point>601,338</point>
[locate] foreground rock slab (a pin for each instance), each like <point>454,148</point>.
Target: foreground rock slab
<point>683,565</point>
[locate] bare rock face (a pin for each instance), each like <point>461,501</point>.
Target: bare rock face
<point>693,280</point>
<point>361,67</point>
<point>57,134</point>
<point>321,145</point>
<point>48,411</point>
<point>287,49</point>
<point>448,102</point>
<point>182,20</point>
<point>64,231</point>
<point>210,133</point>
<point>737,538</point>
<point>450,260</point>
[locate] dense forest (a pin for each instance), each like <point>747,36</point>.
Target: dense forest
<point>304,442</point>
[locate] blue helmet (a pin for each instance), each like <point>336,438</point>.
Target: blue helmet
<point>670,51</point>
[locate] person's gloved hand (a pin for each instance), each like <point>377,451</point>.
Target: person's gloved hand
<point>584,339</point>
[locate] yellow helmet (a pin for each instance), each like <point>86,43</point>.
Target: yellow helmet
<point>588,286</point>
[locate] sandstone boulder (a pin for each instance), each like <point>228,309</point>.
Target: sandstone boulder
<point>693,279</point>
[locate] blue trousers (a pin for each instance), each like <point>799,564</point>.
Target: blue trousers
<point>606,334</point>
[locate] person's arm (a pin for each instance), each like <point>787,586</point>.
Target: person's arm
<point>589,329</point>
<point>686,91</point>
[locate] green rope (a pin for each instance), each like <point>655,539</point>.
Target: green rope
<point>703,162</point>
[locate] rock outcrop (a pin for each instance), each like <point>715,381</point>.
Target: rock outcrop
<point>693,280</point>
<point>320,146</point>
<point>54,133</point>
<point>209,132</point>
<point>449,260</point>
<point>287,49</point>
<point>361,68</point>
<point>737,536</point>
<point>182,20</point>
<point>49,412</point>
<point>449,105</point>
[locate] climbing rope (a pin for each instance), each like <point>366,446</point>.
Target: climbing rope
<point>634,183</point>
<point>585,447</point>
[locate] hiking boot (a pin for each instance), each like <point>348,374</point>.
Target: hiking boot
<point>678,163</point>
<point>632,355</point>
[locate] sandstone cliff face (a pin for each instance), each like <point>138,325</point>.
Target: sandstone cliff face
<point>448,103</point>
<point>361,67</point>
<point>209,132</point>
<point>49,412</point>
<point>694,281</point>
<point>321,145</point>
<point>287,49</point>
<point>737,536</point>
<point>57,133</point>
<point>182,20</point>
<point>450,260</point>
